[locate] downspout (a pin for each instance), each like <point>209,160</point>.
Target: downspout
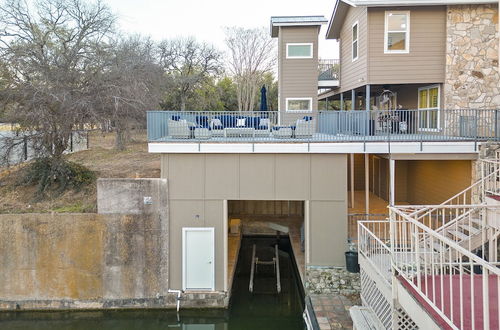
<point>179,292</point>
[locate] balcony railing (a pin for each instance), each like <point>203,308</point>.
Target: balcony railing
<point>324,126</point>
<point>328,70</point>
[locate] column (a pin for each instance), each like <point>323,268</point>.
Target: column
<point>367,183</point>
<point>341,101</point>
<point>392,181</point>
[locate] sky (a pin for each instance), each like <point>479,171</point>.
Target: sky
<point>205,19</point>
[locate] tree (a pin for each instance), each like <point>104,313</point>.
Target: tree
<point>188,63</point>
<point>130,84</point>
<point>52,49</point>
<point>252,53</point>
<point>227,93</point>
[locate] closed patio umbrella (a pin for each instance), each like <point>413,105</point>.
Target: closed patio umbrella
<point>263,99</point>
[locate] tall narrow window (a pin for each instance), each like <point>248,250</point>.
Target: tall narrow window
<point>355,35</point>
<point>428,106</point>
<point>397,32</point>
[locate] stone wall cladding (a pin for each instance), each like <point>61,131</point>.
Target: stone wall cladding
<point>336,280</point>
<point>472,74</point>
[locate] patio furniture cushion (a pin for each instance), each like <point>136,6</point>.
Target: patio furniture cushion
<point>227,120</point>
<point>307,118</point>
<point>202,121</point>
<point>241,122</point>
<point>264,122</point>
<point>176,117</point>
<point>216,124</point>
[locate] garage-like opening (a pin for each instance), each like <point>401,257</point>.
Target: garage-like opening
<point>266,256</point>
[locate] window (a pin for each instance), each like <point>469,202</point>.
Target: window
<point>299,50</point>
<point>355,34</point>
<point>397,32</point>
<point>428,106</point>
<point>299,104</point>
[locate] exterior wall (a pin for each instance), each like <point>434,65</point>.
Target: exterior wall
<point>199,184</point>
<point>434,181</point>
<point>425,63</point>
<point>472,72</point>
<point>297,77</point>
<point>354,74</point>
<point>61,261</point>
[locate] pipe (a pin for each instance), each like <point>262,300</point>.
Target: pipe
<point>179,292</point>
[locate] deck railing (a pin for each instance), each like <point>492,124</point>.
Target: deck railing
<point>373,241</point>
<point>324,126</point>
<point>328,69</point>
<point>456,284</point>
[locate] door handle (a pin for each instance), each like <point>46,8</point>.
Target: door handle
<point>209,262</point>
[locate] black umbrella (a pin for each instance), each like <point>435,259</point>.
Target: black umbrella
<point>263,99</point>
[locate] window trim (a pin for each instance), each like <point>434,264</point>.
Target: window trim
<point>299,44</point>
<point>354,59</point>
<point>438,108</point>
<point>298,99</point>
<point>386,32</point>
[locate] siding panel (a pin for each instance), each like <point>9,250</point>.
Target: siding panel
<point>426,61</point>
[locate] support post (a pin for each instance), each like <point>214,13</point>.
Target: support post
<point>367,98</point>
<point>392,176</point>
<point>353,99</point>
<point>341,101</point>
<point>367,183</point>
<point>326,103</point>
<point>352,179</point>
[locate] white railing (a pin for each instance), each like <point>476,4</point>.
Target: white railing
<point>491,173</point>
<point>453,281</point>
<point>372,244</point>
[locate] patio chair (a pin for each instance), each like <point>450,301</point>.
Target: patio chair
<point>305,127</point>
<point>179,129</point>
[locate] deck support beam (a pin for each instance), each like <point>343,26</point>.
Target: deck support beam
<point>353,99</point>
<point>392,181</point>
<point>367,183</point>
<point>352,179</point>
<point>367,98</point>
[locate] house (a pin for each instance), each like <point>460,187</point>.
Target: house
<point>320,172</point>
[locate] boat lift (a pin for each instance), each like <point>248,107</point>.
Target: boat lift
<point>275,261</point>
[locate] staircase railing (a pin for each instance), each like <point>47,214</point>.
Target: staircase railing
<point>451,280</point>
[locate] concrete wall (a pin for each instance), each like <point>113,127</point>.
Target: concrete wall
<point>199,184</point>
<point>81,261</point>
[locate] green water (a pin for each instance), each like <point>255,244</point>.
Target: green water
<point>262,310</point>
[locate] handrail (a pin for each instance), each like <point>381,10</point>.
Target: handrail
<point>278,277</point>
<point>252,270</point>
<point>447,241</point>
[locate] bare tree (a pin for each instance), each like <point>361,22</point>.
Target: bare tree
<point>188,63</point>
<point>131,84</point>
<point>52,53</point>
<point>252,53</point>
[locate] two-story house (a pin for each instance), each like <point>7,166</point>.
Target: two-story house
<point>332,168</point>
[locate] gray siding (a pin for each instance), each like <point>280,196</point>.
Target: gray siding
<point>298,77</point>
<point>353,74</point>
<point>426,61</point>
<point>199,184</point>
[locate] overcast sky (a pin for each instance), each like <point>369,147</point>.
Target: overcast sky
<point>205,19</point>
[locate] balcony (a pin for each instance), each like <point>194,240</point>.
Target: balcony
<point>381,131</point>
<point>328,73</point>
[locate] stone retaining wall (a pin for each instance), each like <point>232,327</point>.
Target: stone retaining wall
<point>336,280</point>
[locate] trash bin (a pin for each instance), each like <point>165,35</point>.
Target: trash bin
<point>351,260</point>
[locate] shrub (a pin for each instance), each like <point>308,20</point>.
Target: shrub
<point>57,175</point>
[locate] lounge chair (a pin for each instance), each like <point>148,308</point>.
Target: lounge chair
<point>179,129</point>
<point>305,127</point>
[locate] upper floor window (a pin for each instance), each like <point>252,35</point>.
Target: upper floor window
<point>397,32</point>
<point>299,104</point>
<point>428,106</point>
<point>302,50</point>
<point>355,35</point>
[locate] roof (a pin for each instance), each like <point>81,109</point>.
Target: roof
<point>342,7</point>
<point>277,21</point>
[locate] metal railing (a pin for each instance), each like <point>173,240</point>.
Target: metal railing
<point>324,126</point>
<point>373,240</point>
<point>328,69</point>
<point>453,281</point>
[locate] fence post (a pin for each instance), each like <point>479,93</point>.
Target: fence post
<point>25,148</point>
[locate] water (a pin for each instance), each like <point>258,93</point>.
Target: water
<point>262,310</point>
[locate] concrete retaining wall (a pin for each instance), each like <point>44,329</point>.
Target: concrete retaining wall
<point>81,261</point>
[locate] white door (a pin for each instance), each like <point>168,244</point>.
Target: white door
<point>198,264</point>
